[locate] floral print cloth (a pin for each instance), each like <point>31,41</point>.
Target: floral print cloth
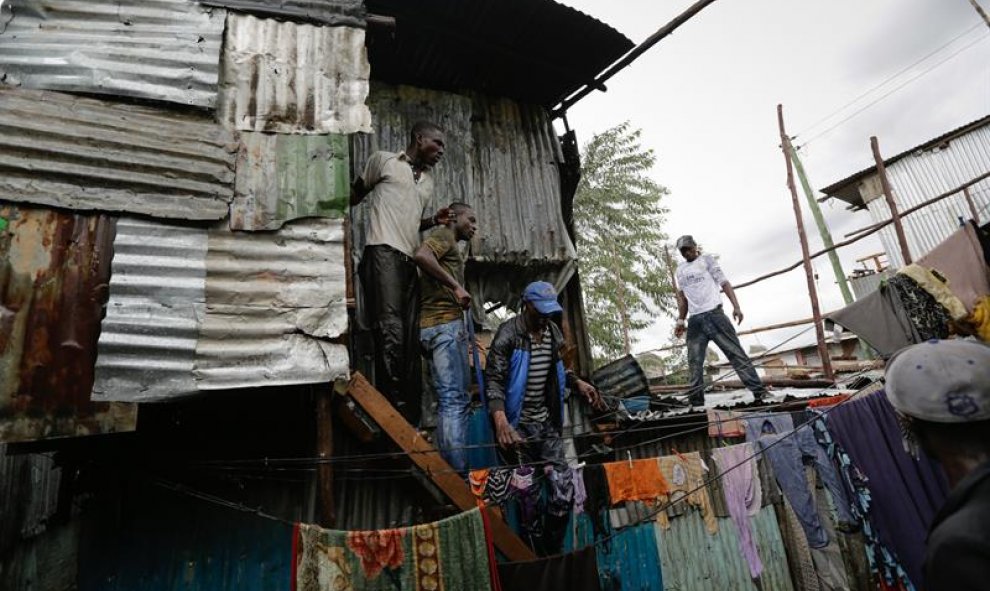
<point>447,555</point>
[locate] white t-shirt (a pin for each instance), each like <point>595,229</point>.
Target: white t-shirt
<point>397,200</point>
<point>701,281</point>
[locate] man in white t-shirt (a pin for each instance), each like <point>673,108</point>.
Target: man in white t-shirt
<point>700,283</point>
<point>398,187</point>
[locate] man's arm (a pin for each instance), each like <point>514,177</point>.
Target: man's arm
<point>682,312</point>
<point>731,294</point>
<point>426,259</point>
<point>496,376</point>
<point>358,191</point>
<point>440,218</point>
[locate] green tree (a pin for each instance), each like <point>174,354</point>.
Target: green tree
<point>619,217</point>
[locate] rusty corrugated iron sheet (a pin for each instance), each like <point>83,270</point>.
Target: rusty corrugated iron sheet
<point>84,154</point>
<point>535,51</point>
<point>54,270</point>
<point>293,78</point>
<point>326,12</point>
<point>283,177</point>
<point>696,560</point>
<point>501,157</point>
<point>167,50</point>
<point>194,309</point>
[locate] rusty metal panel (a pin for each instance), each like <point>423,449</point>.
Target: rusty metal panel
<point>293,78</point>
<point>284,177</point>
<point>84,154</point>
<point>326,12</point>
<point>694,560</point>
<point>193,309</point>
<point>54,269</point>
<point>501,157</point>
<point>166,50</point>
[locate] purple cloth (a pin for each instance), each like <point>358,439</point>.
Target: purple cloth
<point>906,492</point>
<point>577,477</point>
<point>738,471</point>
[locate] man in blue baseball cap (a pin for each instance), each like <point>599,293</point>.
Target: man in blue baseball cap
<point>526,382</point>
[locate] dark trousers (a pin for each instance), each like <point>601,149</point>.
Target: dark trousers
<point>391,287</point>
<point>716,326</point>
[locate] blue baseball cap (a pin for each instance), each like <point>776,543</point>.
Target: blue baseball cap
<point>543,297</point>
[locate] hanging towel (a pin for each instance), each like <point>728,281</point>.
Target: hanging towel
<point>577,571</point>
<point>636,480</point>
<point>741,483</point>
<point>446,555</point>
<point>685,477</point>
<point>724,423</point>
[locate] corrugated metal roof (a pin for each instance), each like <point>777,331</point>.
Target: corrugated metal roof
<point>535,51</point>
<point>501,157</point>
<point>85,154</point>
<point>621,378</point>
<point>194,310</point>
<point>284,177</point>
<point>54,268</point>
<point>694,560</point>
<point>293,78</point>
<point>165,50</point>
<point>329,12</point>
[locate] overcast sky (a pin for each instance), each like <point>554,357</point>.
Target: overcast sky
<point>706,100</point>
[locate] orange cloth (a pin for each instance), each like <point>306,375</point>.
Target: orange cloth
<point>478,479</point>
<point>638,480</point>
<point>830,401</point>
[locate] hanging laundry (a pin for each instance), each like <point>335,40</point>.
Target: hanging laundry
<point>577,480</point>
<point>577,571</point>
<point>635,480</point>
<point>879,319</point>
<point>908,491</point>
<point>881,560</point>
<point>490,485</point>
<point>787,449</point>
<point>935,285</point>
<point>959,258</point>
<point>597,501</point>
<point>828,401</point>
<point>686,479</point>
<point>929,318</point>
<point>725,423</point>
<point>979,320</point>
<point>741,483</point>
<point>445,555</point>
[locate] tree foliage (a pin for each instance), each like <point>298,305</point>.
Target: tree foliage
<point>619,217</point>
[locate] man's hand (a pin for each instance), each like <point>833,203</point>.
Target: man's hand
<point>504,433</point>
<point>463,297</point>
<point>590,394</point>
<point>680,329</point>
<point>738,315</point>
<point>442,216</point>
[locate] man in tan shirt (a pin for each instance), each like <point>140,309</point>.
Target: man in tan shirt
<point>398,188</point>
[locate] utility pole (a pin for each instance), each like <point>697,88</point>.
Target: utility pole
<point>816,211</point>
<point>805,253</point>
<point>980,11</point>
<point>888,194</point>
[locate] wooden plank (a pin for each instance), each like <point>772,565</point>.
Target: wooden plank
<point>428,459</point>
<point>324,449</point>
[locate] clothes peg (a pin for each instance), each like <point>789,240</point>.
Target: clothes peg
<point>629,456</point>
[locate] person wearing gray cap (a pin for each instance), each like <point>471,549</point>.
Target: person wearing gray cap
<point>941,389</point>
<point>700,282</point>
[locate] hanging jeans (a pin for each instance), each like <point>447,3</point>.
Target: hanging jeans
<point>715,326</point>
<point>391,285</point>
<point>787,449</point>
<point>446,352</point>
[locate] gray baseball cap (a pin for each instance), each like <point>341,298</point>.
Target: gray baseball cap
<point>686,241</point>
<point>941,381</point>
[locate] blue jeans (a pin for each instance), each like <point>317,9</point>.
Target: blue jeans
<point>446,352</point>
<point>716,326</point>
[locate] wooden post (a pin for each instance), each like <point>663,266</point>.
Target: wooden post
<point>324,450</point>
<point>972,206</point>
<point>979,10</point>
<point>889,196</point>
<point>785,145</point>
<point>428,459</point>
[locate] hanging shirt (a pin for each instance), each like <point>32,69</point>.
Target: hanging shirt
<point>685,477</point>
<point>741,484</point>
<point>701,281</point>
<point>534,407</point>
<point>397,200</point>
<point>637,480</point>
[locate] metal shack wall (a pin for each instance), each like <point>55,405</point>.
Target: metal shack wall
<point>926,174</point>
<point>54,268</point>
<point>325,12</point>
<point>167,50</point>
<point>84,154</point>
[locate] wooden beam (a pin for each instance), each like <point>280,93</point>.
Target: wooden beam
<point>428,459</point>
<point>324,449</point>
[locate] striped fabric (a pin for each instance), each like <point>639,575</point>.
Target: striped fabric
<point>534,408</point>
